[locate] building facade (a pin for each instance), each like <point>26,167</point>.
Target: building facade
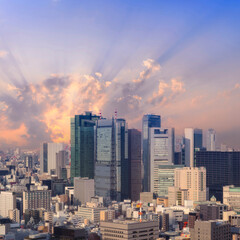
<point>211,140</point>
<point>128,229</point>
<point>134,156</point>
<point>161,146</point>
<point>192,140</point>
<point>112,178</point>
<point>7,203</point>
<point>83,145</point>
<point>149,121</point>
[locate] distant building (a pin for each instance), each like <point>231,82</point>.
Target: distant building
<point>223,169</point>
<point>112,178</point>
<point>83,145</point>
<point>161,153</point>
<point>129,229</point>
<point>149,121</point>
<point>212,211</point>
<point>39,199</point>
<point>193,140</point>
<point>194,180</point>
<point>61,160</point>
<point>83,190</point>
<point>165,175</point>
<point>48,153</point>
<point>211,230</point>
<point>90,213</point>
<point>7,202</point>
<point>231,196</point>
<point>134,156</point>
<point>211,140</point>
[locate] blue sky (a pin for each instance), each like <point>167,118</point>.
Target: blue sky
<point>194,42</point>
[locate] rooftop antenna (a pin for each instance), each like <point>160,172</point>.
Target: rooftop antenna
<point>115,114</point>
<point>100,114</point>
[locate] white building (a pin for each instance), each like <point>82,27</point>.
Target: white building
<point>7,202</point>
<point>211,140</point>
<point>161,153</point>
<point>193,139</point>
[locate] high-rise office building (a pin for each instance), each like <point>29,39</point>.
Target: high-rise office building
<point>223,168</point>
<point>61,160</point>
<point>7,202</point>
<point>192,179</point>
<point>112,177</point>
<point>134,156</point>
<point>165,175</point>
<point>83,145</point>
<point>29,162</point>
<point>211,140</point>
<point>39,199</point>
<point>48,157</point>
<point>193,140</point>
<point>149,121</point>
<point>161,146</point>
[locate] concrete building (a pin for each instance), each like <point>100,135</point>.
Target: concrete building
<point>194,180</point>
<point>146,197</point>
<point>211,230</point>
<point>161,153</point>
<point>193,140</point>
<point>211,140</point>
<point>134,156</point>
<point>61,160</point>
<point>129,229</point>
<point>231,196</point>
<point>7,202</point>
<point>83,190</point>
<point>212,211</point>
<point>39,199</point>
<point>149,121</point>
<point>177,196</point>
<point>48,153</point>
<point>14,215</point>
<point>90,213</point>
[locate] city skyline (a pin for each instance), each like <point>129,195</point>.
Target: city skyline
<point>60,58</point>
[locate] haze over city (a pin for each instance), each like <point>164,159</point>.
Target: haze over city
<point>59,58</point>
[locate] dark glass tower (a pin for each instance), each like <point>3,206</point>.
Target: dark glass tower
<point>82,145</point>
<point>148,121</point>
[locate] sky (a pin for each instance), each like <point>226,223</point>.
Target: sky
<point>58,58</point>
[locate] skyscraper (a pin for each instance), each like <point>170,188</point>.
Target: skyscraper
<point>48,157</point>
<point>134,156</point>
<point>82,145</point>
<point>112,167</point>
<point>193,140</point>
<point>161,146</point>
<point>211,140</point>
<point>149,121</point>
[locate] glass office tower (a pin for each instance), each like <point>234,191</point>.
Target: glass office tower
<point>82,145</point>
<point>112,167</point>
<point>149,121</point>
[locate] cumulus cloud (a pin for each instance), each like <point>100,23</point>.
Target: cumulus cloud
<point>166,91</point>
<point>41,112</point>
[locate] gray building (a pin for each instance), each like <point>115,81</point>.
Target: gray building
<point>128,229</point>
<point>112,179</point>
<point>134,155</point>
<point>211,230</point>
<point>83,190</point>
<point>149,121</point>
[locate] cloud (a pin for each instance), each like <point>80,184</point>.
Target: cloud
<point>41,111</point>
<point>3,53</point>
<point>166,92</point>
